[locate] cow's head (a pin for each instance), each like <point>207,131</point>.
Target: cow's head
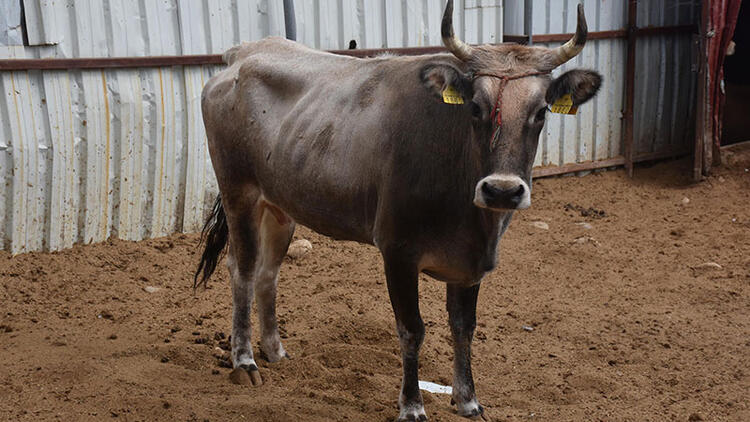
<point>507,89</point>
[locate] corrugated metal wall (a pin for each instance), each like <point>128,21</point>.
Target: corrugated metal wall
<point>595,133</point>
<point>85,155</point>
<point>665,79</point>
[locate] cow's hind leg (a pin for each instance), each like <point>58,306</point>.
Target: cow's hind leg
<point>462,304</point>
<point>243,224</point>
<point>258,239</point>
<point>276,230</point>
<point>402,279</point>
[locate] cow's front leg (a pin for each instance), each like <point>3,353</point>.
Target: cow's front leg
<point>402,278</point>
<point>461,303</point>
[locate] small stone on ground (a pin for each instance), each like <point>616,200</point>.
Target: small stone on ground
<point>299,248</point>
<point>540,225</point>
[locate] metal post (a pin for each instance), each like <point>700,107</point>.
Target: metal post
<point>702,124</point>
<point>630,86</point>
<point>290,23</point>
<point>527,20</point>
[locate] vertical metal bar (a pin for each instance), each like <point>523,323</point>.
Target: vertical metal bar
<point>527,20</point>
<point>700,110</point>
<point>630,86</point>
<point>290,22</point>
<point>711,78</point>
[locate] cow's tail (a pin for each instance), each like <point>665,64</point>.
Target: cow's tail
<point>215,235</point>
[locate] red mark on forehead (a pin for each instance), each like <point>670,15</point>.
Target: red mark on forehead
<point>496,114</point>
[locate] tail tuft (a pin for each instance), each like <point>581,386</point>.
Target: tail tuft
<point>215,236</point>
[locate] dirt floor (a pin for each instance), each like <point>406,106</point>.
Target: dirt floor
<point>631,321</point>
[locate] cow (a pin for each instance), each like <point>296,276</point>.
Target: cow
<point>425,157</point>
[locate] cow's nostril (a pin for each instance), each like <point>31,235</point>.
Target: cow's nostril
<point>491,191</point>
<point>499,192</point>
<point>503,196</point>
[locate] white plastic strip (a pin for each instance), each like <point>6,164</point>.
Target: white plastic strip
<point>435,388</point>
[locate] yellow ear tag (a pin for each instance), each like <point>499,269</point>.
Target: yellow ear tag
<point>564,105</point>
<point>451,96</point>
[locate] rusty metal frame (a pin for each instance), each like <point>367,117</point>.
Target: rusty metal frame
<point>702,122</point>
<point>215,59</point>
<point>618,161</point>
<point>605,35</point>
<point>108,62</point>
<point>629,141</point>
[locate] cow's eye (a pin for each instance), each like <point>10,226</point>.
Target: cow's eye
<point>476,111</point>
<point>541,114</point>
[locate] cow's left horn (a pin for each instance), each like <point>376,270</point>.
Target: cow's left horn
<point>574,46</point>
<point>459,48</point>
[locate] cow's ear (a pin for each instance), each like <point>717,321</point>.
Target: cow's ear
<point>437,77</point>
<point>580,84</point>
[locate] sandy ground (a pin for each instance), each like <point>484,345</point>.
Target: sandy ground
<point>628,322</point>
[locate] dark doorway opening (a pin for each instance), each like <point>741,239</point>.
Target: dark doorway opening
<point>736,124</point>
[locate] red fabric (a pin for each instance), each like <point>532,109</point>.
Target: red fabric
<point>722,20</point>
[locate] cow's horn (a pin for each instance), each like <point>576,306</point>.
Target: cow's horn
<point>459,48</point>
<point>574,46</point>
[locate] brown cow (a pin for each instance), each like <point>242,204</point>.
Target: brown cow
<point>367,150</point>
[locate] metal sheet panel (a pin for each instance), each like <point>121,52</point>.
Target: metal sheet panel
<point>10,23</point>
<point>595,133</point>
<point>665,78</point>
<point>559,16</point>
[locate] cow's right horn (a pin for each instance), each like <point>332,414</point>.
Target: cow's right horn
<point>574,46</point>
<point>459,48</point>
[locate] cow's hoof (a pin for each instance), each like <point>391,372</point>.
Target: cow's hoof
<point>412,414</point>
<point>475,414</point>
<point>246,375</point>
<point>471,409</point>
<point>413,418</point>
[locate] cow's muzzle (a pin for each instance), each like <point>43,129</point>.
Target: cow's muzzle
<point>502,192</point>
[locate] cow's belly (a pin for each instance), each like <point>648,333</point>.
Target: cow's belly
<point>465,268</point>
<point>323,196</point>
<point>334,218</point>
